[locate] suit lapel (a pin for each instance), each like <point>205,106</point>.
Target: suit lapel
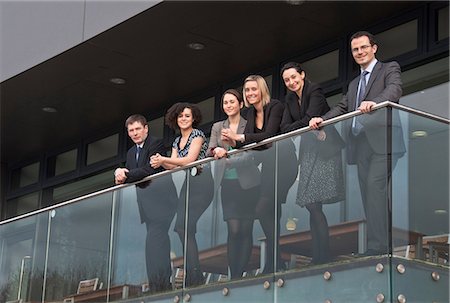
<point>373,75</point>
<point>241,126</point>
<point>351,94</point>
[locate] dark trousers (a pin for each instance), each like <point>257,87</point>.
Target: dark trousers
<point>374,181</point>
<point>157,253</point>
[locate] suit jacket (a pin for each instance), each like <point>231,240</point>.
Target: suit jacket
<point>297,115</point>
<point>384,85</point>
<point>157,199</point>
<point>313,104</point>
<point>248,174</point>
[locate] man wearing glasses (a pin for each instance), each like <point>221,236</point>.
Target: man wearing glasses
<point>367,141</point>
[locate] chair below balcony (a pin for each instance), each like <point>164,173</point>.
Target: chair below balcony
<point>88,292</point>
<point>84,286</point>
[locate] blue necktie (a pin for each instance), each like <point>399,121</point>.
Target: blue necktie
<point>138,151</point>
<point>356,125</point>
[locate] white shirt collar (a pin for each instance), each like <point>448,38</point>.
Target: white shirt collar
<point>371,66</point>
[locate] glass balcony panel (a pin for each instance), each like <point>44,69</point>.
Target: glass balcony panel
<point>195,221</point>
<point>79,249</point>
<point>420,210</point>
<point>146,247</point>
<point>312,184</point>
<point>22,258</point>
<point>420,190</point>
<point>236,246</point>
<point>79,241</point>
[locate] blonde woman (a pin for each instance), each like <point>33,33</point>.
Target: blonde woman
<point>263,121</point>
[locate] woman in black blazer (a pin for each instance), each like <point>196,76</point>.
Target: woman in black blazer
<point>321,177</point>
<point>263,121</point>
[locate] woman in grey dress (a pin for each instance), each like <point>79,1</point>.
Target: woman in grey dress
<point>321,176</point>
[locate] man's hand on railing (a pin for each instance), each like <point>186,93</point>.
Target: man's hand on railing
<point>120,175</point>
<point>366,106</point>
<point>314,122</point>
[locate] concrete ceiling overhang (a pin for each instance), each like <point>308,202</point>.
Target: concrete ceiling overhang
<point>150,51</point>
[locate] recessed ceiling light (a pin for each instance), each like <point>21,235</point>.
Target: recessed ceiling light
<point>419,134</point>
<point>49,109</point>
<point>196,46</point>
<point>440,211</point>
<point>295,2</point>
<point>117,80</point>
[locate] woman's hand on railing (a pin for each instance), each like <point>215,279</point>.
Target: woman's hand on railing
<point>219,152</point>
<point>156,161</point>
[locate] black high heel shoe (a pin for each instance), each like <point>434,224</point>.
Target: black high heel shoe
<point>195,277</point>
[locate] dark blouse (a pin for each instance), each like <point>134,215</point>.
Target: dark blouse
<point>273,112</point>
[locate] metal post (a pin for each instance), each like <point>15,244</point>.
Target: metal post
<point>22,268</point>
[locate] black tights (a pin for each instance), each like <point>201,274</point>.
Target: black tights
<point>194,275</point>
<point>240,242</point>
<point>319,234</point>
<point>266,215</point>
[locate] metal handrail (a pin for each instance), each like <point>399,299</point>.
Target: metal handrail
<point>236,151</point>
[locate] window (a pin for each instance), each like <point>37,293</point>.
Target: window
<point>442,26</point>
<point>83,187</point>
<point>398,40</point>
<point>25,176</point>
<point>62,163</point>
<point>333,100</point>
<point>156,127</point>
<point>103,149</point>
<point>207,109</point>
<point>426,88</point>
<point>269,83</point>
<point>22,205</point>
<point>425,76</point>
<point>323,68</point>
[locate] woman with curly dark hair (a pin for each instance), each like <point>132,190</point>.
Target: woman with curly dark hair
<point>190,146</point>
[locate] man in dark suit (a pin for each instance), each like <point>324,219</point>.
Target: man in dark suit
<point>156,200</point>
<point>368,145</point>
